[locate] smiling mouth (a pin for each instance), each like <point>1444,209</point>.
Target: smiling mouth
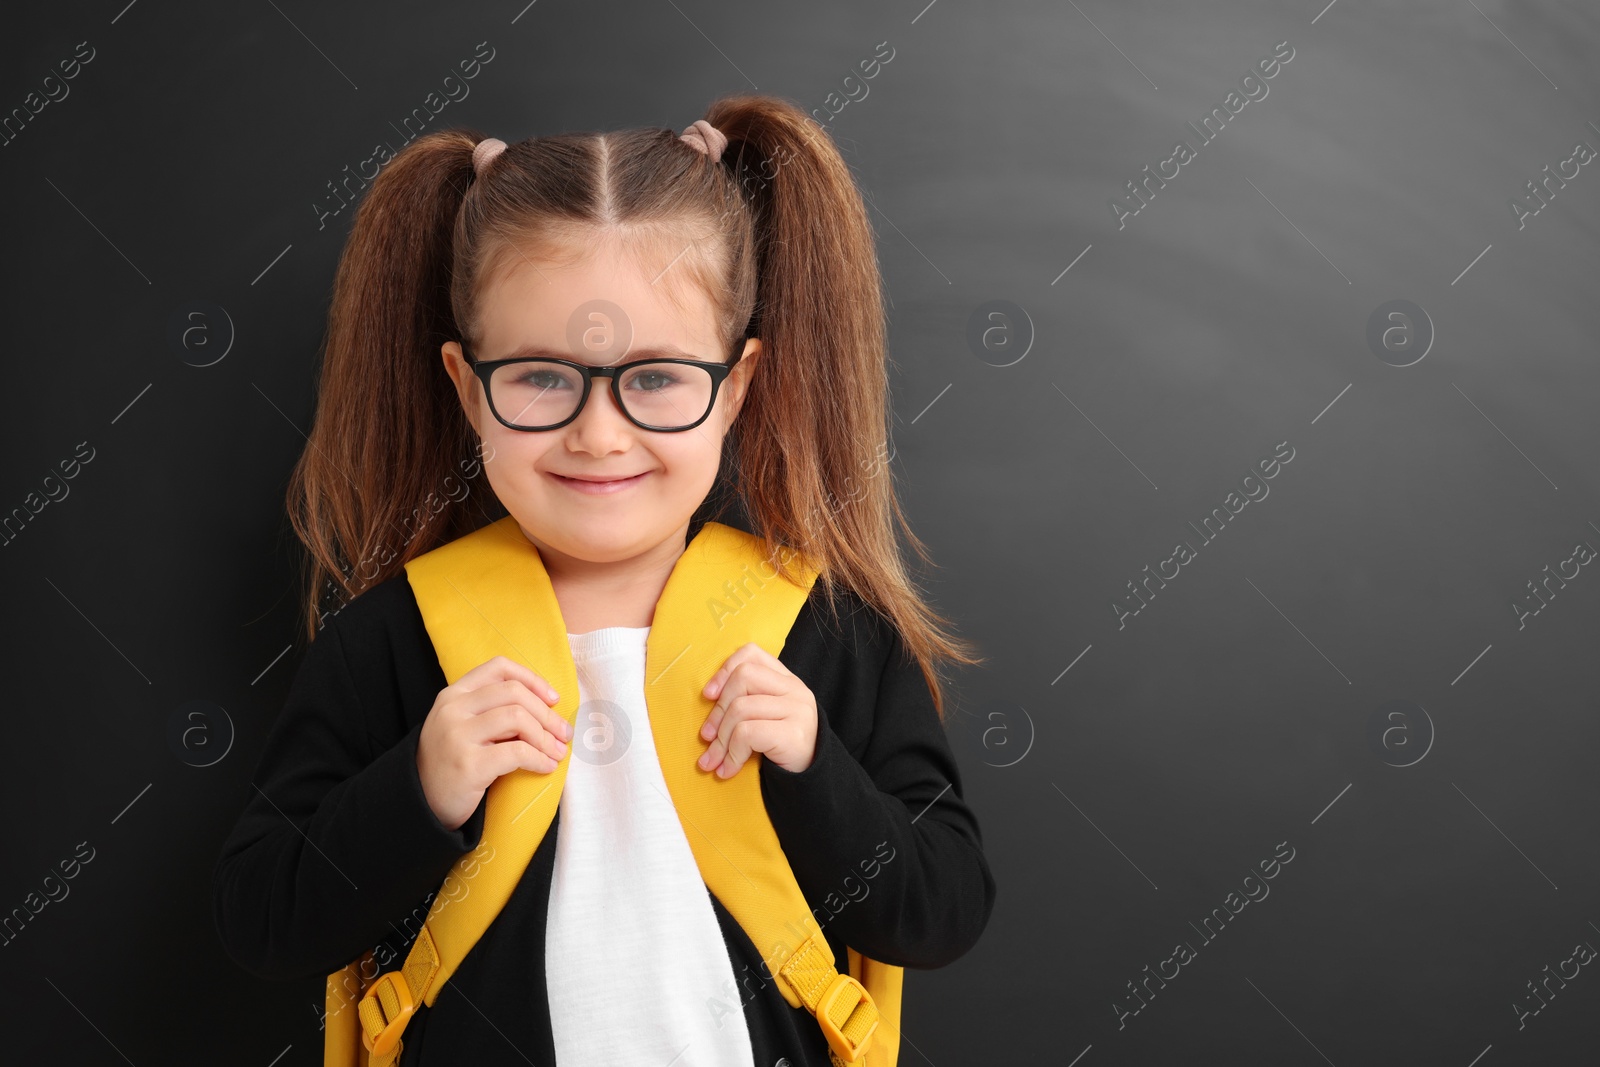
<point>611,485</point>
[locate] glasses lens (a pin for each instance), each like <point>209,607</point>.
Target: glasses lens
<point>534,394</point>
<point>665,395</point>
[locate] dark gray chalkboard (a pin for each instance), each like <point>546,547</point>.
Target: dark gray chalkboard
<point>1268,488</point>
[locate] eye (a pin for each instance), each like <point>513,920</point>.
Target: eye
<point>651,381</point>
<point>543,380</point>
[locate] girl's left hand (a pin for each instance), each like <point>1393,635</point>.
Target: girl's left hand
<point>761,707</point>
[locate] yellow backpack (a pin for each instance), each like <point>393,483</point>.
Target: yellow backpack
<point>488,594</point>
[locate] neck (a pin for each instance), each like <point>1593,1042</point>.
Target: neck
<point>595,595</point>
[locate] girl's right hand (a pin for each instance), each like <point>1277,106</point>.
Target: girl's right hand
<point>497,718</point>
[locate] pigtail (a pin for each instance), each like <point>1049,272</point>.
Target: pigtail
<point>391,467</point>
<point>812,438</point>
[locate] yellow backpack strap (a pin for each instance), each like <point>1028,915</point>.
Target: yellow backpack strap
<point>340,1023</point>
<point>482,595</point>
<point>883,982</point>
<point>721,595</point>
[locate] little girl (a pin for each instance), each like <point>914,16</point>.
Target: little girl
<point>630,336</point>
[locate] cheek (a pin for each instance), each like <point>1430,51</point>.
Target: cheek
<point>693,462</point>
<point>507,443</point>
<point>701,453</point>
<point>517,457</point>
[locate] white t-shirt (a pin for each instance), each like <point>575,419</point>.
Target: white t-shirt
<point>634,956</point>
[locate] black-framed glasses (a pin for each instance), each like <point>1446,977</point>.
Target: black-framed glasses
<point>664,394</point>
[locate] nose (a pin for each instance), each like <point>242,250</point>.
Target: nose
<point>600,427</point>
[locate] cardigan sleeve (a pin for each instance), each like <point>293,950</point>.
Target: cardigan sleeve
<point>337,839</point>
<point>883,844</point>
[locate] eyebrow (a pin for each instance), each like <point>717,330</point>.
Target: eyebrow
<point>532,351</point>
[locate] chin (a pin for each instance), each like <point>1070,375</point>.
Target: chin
<point>596,538</point>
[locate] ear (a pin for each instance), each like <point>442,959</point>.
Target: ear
<point>738,383</point>
<point>455,364</point>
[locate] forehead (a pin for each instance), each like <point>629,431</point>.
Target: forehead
<point>602,303</point>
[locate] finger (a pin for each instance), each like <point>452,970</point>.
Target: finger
<point>501,668</point>
<point>767,676</point>
<point>744,653</point>
<point>762,707</point>
<point>514,691</point>
<point>514,722</point>
<point>508,756</point>
<point>747,737</point>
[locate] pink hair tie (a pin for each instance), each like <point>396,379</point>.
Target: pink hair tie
<point>485,153</point>
<point>706,138</point>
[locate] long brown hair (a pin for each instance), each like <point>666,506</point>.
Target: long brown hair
<point>776,234</point>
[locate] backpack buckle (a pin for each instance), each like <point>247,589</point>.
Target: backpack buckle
<point>847,996</point>
<point>385,1008</point>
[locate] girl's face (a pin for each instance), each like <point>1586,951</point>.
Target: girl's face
<point>539,305</point>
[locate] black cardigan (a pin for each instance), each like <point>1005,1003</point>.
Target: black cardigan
<point>338,852</point>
